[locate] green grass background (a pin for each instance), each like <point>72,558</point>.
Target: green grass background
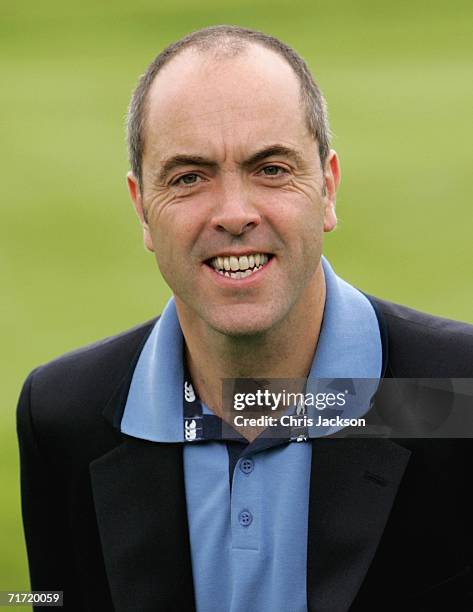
<point>397,76</point>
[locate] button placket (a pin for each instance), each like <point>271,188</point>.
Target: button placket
<point>246,506</point>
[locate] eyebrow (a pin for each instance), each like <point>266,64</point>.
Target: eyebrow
<point>273,151</point>
<point>183,160</point>
<point>197,160</point>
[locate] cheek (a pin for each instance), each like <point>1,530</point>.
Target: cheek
<point>174,237</point>
<point>299,221</point>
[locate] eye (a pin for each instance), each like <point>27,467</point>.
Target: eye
<point>187,180</point>
<point>273,171</point>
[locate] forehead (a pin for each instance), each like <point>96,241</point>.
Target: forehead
<point>202,100</point>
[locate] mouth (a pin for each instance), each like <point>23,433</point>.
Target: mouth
<point>241,266</point>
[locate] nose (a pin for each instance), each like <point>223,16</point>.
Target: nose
<point>234,211</point>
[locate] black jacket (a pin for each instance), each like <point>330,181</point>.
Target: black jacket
<point>390,521</point>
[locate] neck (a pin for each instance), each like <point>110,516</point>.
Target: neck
<point>284,351</point>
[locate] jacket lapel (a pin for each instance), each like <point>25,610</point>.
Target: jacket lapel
<point>139,499</point>
<point>353,486</point>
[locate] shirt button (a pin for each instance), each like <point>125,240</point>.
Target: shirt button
<point>245,518</point>
<point>247,466</point>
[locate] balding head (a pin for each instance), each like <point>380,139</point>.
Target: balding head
<point>220,43</point>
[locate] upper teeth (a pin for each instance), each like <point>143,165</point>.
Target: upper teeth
<point>244,262</point>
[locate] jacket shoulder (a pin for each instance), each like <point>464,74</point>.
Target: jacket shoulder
<point>65,398</point>
<point>424,345</point>
<point>100,362</point>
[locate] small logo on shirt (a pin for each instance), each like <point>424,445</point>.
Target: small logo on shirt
<point>190,430</point>
<point>189,392</point>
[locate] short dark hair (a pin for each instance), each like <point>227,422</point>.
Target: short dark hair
<point>233,39</point>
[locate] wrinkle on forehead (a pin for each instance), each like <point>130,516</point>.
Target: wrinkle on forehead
<point>225,143</point>
<point>215,131</point>
<point>208,118</point>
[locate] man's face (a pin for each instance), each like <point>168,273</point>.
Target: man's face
<point>234,197</point>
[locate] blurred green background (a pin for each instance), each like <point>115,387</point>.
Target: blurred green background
<point>398,79</point>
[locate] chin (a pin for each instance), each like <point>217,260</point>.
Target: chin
<point>247,324</point>
<point>239,331</point>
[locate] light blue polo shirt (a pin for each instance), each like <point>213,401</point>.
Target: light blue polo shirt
<point>249,541</point>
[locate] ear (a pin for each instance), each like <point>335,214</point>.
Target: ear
<point>331,182</point>
<point>137,199</point>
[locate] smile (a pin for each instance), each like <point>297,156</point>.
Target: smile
<point>242,266</point>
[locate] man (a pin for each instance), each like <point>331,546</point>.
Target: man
<point>132,497</point>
